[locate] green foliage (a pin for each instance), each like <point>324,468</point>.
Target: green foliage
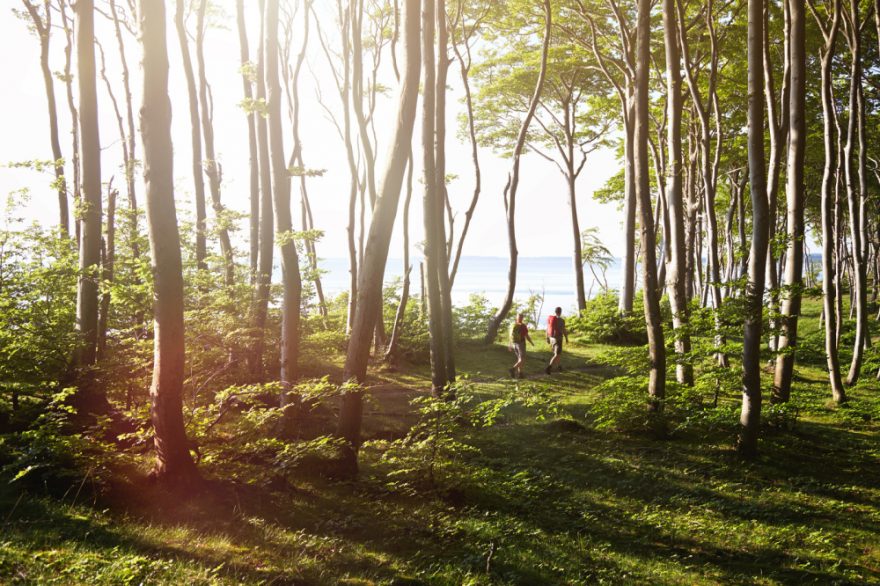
<point>601,321</point>
<point>472,320</point>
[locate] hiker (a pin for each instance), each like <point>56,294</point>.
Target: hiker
<point>555,332</point>
<point>519,335</point>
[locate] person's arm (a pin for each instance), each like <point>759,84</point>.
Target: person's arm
<point>529,338</point>
<point>565,332</point>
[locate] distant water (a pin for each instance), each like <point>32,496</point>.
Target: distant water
<point>487,275</point>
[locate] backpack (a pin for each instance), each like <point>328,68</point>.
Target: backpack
<point>516,333</point>
<point>552,324</point>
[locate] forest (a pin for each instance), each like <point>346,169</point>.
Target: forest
<point>190,392</point>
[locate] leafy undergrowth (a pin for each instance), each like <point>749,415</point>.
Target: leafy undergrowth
<point>525,490</point>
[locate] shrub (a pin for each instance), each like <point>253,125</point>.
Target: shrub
<point>602,322</point>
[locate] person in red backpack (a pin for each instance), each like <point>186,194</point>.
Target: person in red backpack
<point>519,335</point>
<point>555,333</point>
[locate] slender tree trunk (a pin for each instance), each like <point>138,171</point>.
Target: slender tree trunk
<point>400,317</point>
<point>212,166</point>
<point>677,273</point>
<point>750,417</point>
<point>830,279</point>
<point>173,461</point>
<point>628,267</point>
<point>90,243</point>
<point>576,237</point>
<point>267,220</point>
<point>653,320</point>
<point>376,252</point>
<point>254,219</point>
<point>107,266</point>
<point>195,137</point>
<point>791,302</point>
<point>131,163</point>
<point>464,62</point>
<point>290,276</point>
<point>441,200</point>
<point>43,29</point>
<point>74,117</point>
<point>513,182</point>
<point>431,207</point>
<point>855,191</point>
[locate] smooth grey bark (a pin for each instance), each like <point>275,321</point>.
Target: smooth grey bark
<point>379,238</point>
<point>212,166</point>
<point>750,415</point>
<point>253,161</point>
<point>90,222</point>
<point>43,27</point>
<point>290,277</point>
<point>464,62</point>
<point>75,162</point>
<point>431,206</point>
<point>444,248</point>
<point>131,134</point>
<point>650,294</point>
<point>512,184</point>
<point>400,316</point>
<point>107,265</point>
<point>794,195</point>
<point>855,191</point>
<point>173,461</point>
<point>195,136</point>
<point>677,273</point>
<point>267,220</point>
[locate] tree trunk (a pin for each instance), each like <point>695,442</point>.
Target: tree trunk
<point>794,195</point>
<point>750,416</point>
<point>400,317</point>
<point>131,166</point>
<point>651,297</point>
<point>254,219</point>
<point>677,272</point>
<point>856,195</point>
<point>173,461</point>
<point>74,117</point>
<point>43,29</point>
<point>464,70</point>
<point>195,137</point>
<point>107,266</point>
<point>628,267</point>
<point>212,166</point>
<point>90,243</point>
<point>441,197</point>
<point>512,185</point>
<point>267,220</point>
<point>376,253</point>
<point>290,277</point>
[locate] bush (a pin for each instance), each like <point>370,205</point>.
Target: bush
<point>602,322</point>
<point>472,320</point>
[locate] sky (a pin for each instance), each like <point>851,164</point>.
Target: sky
<point>543,219</point>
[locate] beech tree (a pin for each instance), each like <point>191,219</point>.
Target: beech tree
<point>41,20</point>
<point>379,238</point>
<point>173,461</point>
<point>750,416</point>
<point>290,276</point>
<point>510,188</point>
<point>793,282</point>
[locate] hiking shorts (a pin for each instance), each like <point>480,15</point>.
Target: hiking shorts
<point>556,346</point>
<point>519,350</point>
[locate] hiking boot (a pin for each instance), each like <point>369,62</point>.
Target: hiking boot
<point>512,372</point>
<point>547,370</point>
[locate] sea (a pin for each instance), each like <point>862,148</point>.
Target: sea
<point>550,276</point>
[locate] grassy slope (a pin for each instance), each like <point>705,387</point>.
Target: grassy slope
<point>543,502</point>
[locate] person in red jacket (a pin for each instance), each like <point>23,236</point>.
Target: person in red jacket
<point>555,332</point>
<point>519,335</point>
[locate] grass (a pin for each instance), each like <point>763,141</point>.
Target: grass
<point>536,500</point>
